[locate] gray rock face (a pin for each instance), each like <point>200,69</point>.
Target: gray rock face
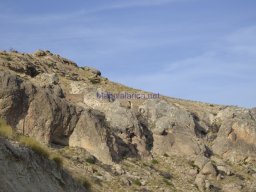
<point>232,187</point>
<point>172,127</point>
<point>25,171</point>
<point>124,125</point>
<point>200,161</point>
<point>92,134</point>
<point>163,117</point>
<point>119,131</point>
<point>110,139</point>
<point>21,104</point>
<point>209,169</point>
<point>224,169</point>
<point>200,182</point>
<point>236,139</point>
<point>45,79</point>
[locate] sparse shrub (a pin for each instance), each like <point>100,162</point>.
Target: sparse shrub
<point>83,181</point>
<point>192,164</point>
<point>40,53</point>
<point>58,160</point>
<point>34,145</point>
<point>137,182</point>
<point>8,58</point>
<point>13,50</point>
<point>5,130</point>
<point>99,174</point>
<point>166,155</point>
<point>50,64</point>
<point>166,175</point>
<point>86,184</point>
<point>154,161</point>
<point>94,80</point>
<point>90,160</point>
<point>167,182</point>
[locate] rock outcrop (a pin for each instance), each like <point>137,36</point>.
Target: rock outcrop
<point>43,114</point>
<point>172,128</point>
<point>236,139</point>
<point>50,98</point>
<point>23,170</point>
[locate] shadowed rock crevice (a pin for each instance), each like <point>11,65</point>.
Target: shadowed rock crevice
<point>123,150</point>
<point>149,139</point>
<point>200,131</point>
<point>31,71</point>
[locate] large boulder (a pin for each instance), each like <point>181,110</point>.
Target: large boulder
<point>36,111</point>
<point>172,128</point>
<point>123,123</point>
<point>92,134</point>
<point>236,139</point>
<point>14,99</point>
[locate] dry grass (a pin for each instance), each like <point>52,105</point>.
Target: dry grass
<point>41,149</point>
<point>83,181</point>
<point>57,159</point>
<point>34,145</point>
<point>5,130</point>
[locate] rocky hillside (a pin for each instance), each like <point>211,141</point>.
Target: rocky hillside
<point>161,144</point>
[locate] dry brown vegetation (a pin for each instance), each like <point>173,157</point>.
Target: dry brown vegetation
<point>5,130</point>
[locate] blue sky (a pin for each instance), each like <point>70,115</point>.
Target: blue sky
<point>200,50</point>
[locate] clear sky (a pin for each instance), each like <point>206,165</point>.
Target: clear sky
<point>201,50</point>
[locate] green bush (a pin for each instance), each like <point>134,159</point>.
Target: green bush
<point>34,145</point>
<point>137,182</point>
<point>154,161</point>
<point>168,182</point>
<point>90,160</point>
<point>5,130</point>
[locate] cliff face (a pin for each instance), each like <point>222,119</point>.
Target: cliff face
<point>50,98</point>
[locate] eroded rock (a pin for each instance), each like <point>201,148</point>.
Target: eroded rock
<point>237,135</point>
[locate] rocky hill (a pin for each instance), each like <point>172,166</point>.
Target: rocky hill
<point>108,144</point>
